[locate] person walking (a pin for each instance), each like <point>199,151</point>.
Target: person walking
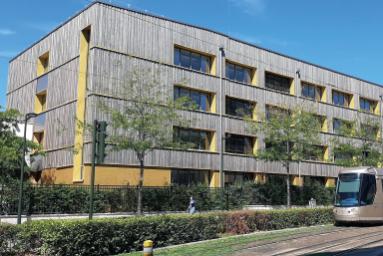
<point>191,208</point>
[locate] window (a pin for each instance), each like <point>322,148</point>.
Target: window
<point>369,131</point>
<point>239,144</point>
<point>367,105</point>
<point>42,83</point>
<point>238,73</point>
<point>232,178</point>
<point>192,60</point>
<point>311,91</point>
<point>368,189</point>
<point>279,83</point>
<point>40,102</point>
<point>201,100</point>
<point>189,177</point>
<point>341,126</point>
<point>341,156</point>
<point>272,111</point>
<point>240,108</point>
<point>198,139</point>
<point>278,147</point>
<point>316,153</point>
<point>43,64</point>
<point>340,99</point>
<point>38,137</point>
<point>322,123</point>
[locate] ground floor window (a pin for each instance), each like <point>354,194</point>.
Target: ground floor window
<point>189,177</point>
<point>232,178</point>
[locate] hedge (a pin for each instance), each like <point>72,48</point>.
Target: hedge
<point>114,236</point>
<point>75,199</point>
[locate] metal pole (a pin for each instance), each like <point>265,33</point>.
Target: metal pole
<point>20,205</point>
<point>91,206</point>
<point>381,118</point>
<point>221,132</point>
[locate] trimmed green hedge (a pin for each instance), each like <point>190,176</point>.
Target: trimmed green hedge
<point>113,236</point>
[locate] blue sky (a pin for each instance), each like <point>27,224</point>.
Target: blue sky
<point>342,35</point>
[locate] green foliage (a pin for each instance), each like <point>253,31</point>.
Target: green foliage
<point>145,119</point>
<point>75,199</point>
<point>113,236</point>
<point>363,149</point>
<point>8,238</point>
<point>289,136</point>
<point>10,145</point>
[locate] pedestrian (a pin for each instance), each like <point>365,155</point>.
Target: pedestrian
<point>191,208</point>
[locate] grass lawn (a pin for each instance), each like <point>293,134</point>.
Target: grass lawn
<point>229,245</point>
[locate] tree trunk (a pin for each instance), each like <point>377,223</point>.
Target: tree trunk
<point>288,185</point>
<point>288,175</point>
<point>139,188</point>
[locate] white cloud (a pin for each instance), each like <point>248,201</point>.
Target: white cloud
<point>251,7</point>
<point>6,32</point>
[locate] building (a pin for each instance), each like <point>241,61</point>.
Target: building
<point>65,73</point>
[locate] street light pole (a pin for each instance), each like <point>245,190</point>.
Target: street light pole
<point>221,132</point>
<point>19,208</point>
<point>381,117</point>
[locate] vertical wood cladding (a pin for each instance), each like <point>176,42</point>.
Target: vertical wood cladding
<point>118,33</point>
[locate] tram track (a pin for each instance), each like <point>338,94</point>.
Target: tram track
<point>310,249</point>
<point>305,235</point>
<point>353,249</point>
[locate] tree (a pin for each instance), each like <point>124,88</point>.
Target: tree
<point>289,136</point>
<point>11,145</point>
<point>144,118</point>
<point>359,144</point>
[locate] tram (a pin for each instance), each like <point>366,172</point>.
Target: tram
<point>359,195</point>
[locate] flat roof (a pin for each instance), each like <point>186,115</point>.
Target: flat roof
<point>194,26</point>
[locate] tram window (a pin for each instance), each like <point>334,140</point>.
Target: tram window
<point>368,190</point>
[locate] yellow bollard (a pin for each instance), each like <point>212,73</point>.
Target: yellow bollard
<point>148,248</point>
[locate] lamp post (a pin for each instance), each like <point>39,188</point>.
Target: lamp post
<point>19,208</point>
<point>221,131</point>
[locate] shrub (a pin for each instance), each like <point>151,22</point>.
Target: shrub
<point>8,239</point>
<point>113,236</point>
<point>241,222</point>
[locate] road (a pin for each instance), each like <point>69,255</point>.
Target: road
<point>339,241</point>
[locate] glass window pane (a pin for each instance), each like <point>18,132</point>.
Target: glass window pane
<point>42,83</point>
<point>185,59</point>
<point>230,74</point>
<point>40,122</point>
<point>203,102</point>
<point>195,97</point>
<point>279,83</point>
<point>184,92</point>
<point>195,61</point>
<point>239,74</point>
<point>176,56</point>
<point>247,76</point>
<point>205,64</point>
<point>189,177</point>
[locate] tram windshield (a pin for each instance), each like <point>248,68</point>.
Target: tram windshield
<point>355,189</point>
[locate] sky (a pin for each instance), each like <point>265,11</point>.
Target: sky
<point>344,35</point>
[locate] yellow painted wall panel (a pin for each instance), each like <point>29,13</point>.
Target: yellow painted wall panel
<point>110,175</point>
<point>297,181</point>
<point>214,179</point>
<point>260,178</point>
<point>330,182</point>
<point>80,107</point>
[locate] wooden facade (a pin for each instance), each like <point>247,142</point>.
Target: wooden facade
<point>122,39</point>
